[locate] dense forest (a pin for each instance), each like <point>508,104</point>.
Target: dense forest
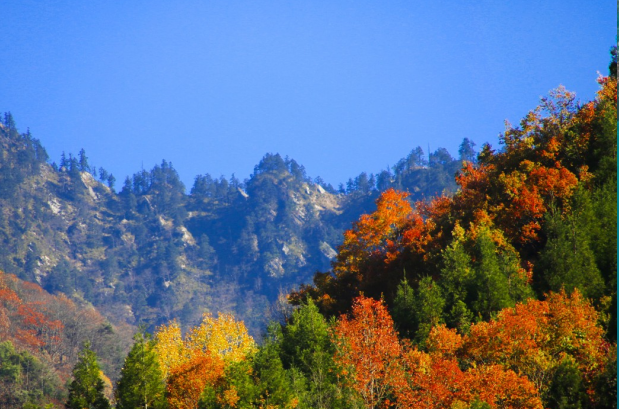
<point>496,288</point>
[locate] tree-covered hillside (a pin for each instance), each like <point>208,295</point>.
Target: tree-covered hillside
<point>150,249</point>
<point>499,292</point>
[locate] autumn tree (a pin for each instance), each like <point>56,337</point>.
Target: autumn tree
<point>188,380</point>
<point>437,379</point>
<point>197,361</point>
<point>360,263</point>
<point>169,347</point>
<point>368,350</point>
<point>535,337</point>
<point>223,336</point>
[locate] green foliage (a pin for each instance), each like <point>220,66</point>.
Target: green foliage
<point>606,385</point>
<point>141,382</point>
<point>259,381</point>
<point>307,347</point>
<point>238,377</point>
<point>274,383</point>
<point>24,380</point>
<point>22,156</point>
<point>567,260</point>
<point>489,284</point>
<point>456,274</point>
<point>403,310</point>
<point>497,281</point>
<point>415,312</point>
<point>86,389</point>
<point>429,304</point>
<point>567,389</point>
<point>479,404</point>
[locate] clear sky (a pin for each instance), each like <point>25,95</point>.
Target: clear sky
<point>341,86</point>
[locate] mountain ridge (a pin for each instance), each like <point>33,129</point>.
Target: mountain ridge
<point>151,252</point>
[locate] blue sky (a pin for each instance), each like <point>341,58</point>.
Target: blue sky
<point>340,86</point>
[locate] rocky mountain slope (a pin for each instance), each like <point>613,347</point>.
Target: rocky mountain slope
<point>152,252</point>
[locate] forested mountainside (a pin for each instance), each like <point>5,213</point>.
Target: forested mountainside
<point>150,251</point>
<point>501,293</point>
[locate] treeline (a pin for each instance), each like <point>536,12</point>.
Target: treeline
<point>23,157</point>
<point>549,353</point>
<point>423,176</point>
<point>74,166</point>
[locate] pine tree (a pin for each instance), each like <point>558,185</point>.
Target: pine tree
<point>111,180</point>
<point>83,161</point>
<point>404,309</point>
<point>307,347</point>
<point>86,390</point>
<point>429,304</point>
<point>456,275</point>
<point>141,382</point>
<point>567,390</point>
<point>567,260</point>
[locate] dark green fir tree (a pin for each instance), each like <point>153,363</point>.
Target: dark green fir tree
<point>141,382</point>
<point>86,390</point>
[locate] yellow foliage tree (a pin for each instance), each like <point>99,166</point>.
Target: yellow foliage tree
<point>223,336</point>
<point>170,347</point>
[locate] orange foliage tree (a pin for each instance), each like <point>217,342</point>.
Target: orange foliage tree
<point>368,351</point>
<point>374,240</point>
<point>533,338</point>
<point>198,360</point>
<point>437,380</point>
<point>187,380</point>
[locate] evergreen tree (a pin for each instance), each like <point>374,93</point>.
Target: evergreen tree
<point>416,312</point>
<point>567,389</point>
<point>383,180</point>
<point>456,275</point>
<point>497,281</point>
<point>83,161</point>
<point>86,390</point>
<point>274,382</point>
<point>141,382</point>
<point>111,180</point>
<point>24,379</point>
<point>306,346</point>
<point>429,304</point>
<point>9,122</point>
<point>103,175</point>
<point>567,260</point>
<point>64,163</point>
<point>404,309</point>
<point>467,150</point>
